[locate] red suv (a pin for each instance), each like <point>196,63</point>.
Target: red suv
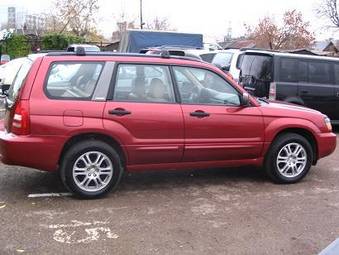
<point>92,116</point>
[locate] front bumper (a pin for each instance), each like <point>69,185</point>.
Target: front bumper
<point>40,152</point>
<point>327,143</point>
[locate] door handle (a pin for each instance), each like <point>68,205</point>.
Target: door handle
<point>304,92</point>
<point>119,112</point>
<point>199,114</point>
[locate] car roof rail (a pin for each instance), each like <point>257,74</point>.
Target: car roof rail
<point>119,54</point>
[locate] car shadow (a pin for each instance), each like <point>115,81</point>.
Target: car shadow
<point>35,182</point>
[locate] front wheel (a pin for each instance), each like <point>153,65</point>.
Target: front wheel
<point>91,169</point>
<point>289,159</point>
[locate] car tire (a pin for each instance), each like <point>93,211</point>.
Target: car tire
<point>289,158</point>
<point>90,169</point>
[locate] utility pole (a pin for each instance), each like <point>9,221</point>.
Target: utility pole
<point>141,20</point>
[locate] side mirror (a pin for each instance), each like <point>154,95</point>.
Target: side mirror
<point>245,99</point>
<point>4,89</point>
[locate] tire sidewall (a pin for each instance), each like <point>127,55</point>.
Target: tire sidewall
<point>79,149</point>
<point>272,158</point>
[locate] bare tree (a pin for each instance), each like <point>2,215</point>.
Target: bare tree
<point>293,34</point>
<point>330,10</point>
<point>159,24</point>
<point>76,16</point>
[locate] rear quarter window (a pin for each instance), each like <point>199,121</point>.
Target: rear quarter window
<point>76,80</point>
<point>319,72</point>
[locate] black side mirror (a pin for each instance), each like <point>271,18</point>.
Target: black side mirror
<point>245,99</point>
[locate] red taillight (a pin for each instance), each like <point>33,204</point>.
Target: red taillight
<point>273,91</point>
<point>20,121</point>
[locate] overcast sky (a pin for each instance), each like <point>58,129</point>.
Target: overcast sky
<point>210,17</point>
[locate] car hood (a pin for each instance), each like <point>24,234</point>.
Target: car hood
<point>282,109</point>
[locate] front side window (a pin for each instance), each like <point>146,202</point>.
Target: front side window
<point>73,80</point>
<point>143,83</point>
<point>257,67</point>
<point>200,86</point>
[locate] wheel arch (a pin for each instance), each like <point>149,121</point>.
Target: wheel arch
<point>94,136</point>
<point>308,135</point>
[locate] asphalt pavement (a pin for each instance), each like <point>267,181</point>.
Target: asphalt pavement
<point>219,211</point>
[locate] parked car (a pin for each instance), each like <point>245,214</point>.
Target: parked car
<point>8,72</point>
<point>4,59</point>
<point>92,117</point>
<point>310,81</point>
<point>226,60</point>
<point>86,47</point>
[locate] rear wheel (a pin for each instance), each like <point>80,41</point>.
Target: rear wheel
<point>289,159</point>
<point>91,169</point>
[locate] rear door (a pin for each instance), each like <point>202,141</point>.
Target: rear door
<point>144,114</point>
<point>318,92</point>
<point>217,128</point>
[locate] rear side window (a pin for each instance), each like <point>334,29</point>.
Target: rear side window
<point>143,83</point>
<point>319,72</point>
<point>19,79</point>
<point>288,70</point>
<point>73,80</point>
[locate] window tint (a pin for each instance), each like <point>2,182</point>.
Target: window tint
<point>199,86</point>
<point>73,80</point>
<point>303,76</point>
<point>336,73</point>
<point>143,83</point>
<point>223,59</point>
<point>288,70</point>
<point>257,66</point>
<point>319,72</point>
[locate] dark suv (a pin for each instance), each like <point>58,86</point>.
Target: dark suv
<point>92,116</point>
<point>310,81</point>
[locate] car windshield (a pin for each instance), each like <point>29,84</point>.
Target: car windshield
<point>19,79</point>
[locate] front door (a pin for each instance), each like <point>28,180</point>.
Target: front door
<point>216,126</point>
<point>144,115</point>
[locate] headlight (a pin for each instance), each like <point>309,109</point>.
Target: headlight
<point>328,123</point>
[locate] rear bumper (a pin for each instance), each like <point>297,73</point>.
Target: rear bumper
<point>327,143</point>
<point>40,152</point>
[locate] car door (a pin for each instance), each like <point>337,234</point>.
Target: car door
<point>144,114</point>
<point>216,126</point>
<point>317,91</point>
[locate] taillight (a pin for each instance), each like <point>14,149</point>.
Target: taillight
<point>273,91</point>
<point>21,122</point>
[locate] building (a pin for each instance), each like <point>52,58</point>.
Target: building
<point>21,21</point>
